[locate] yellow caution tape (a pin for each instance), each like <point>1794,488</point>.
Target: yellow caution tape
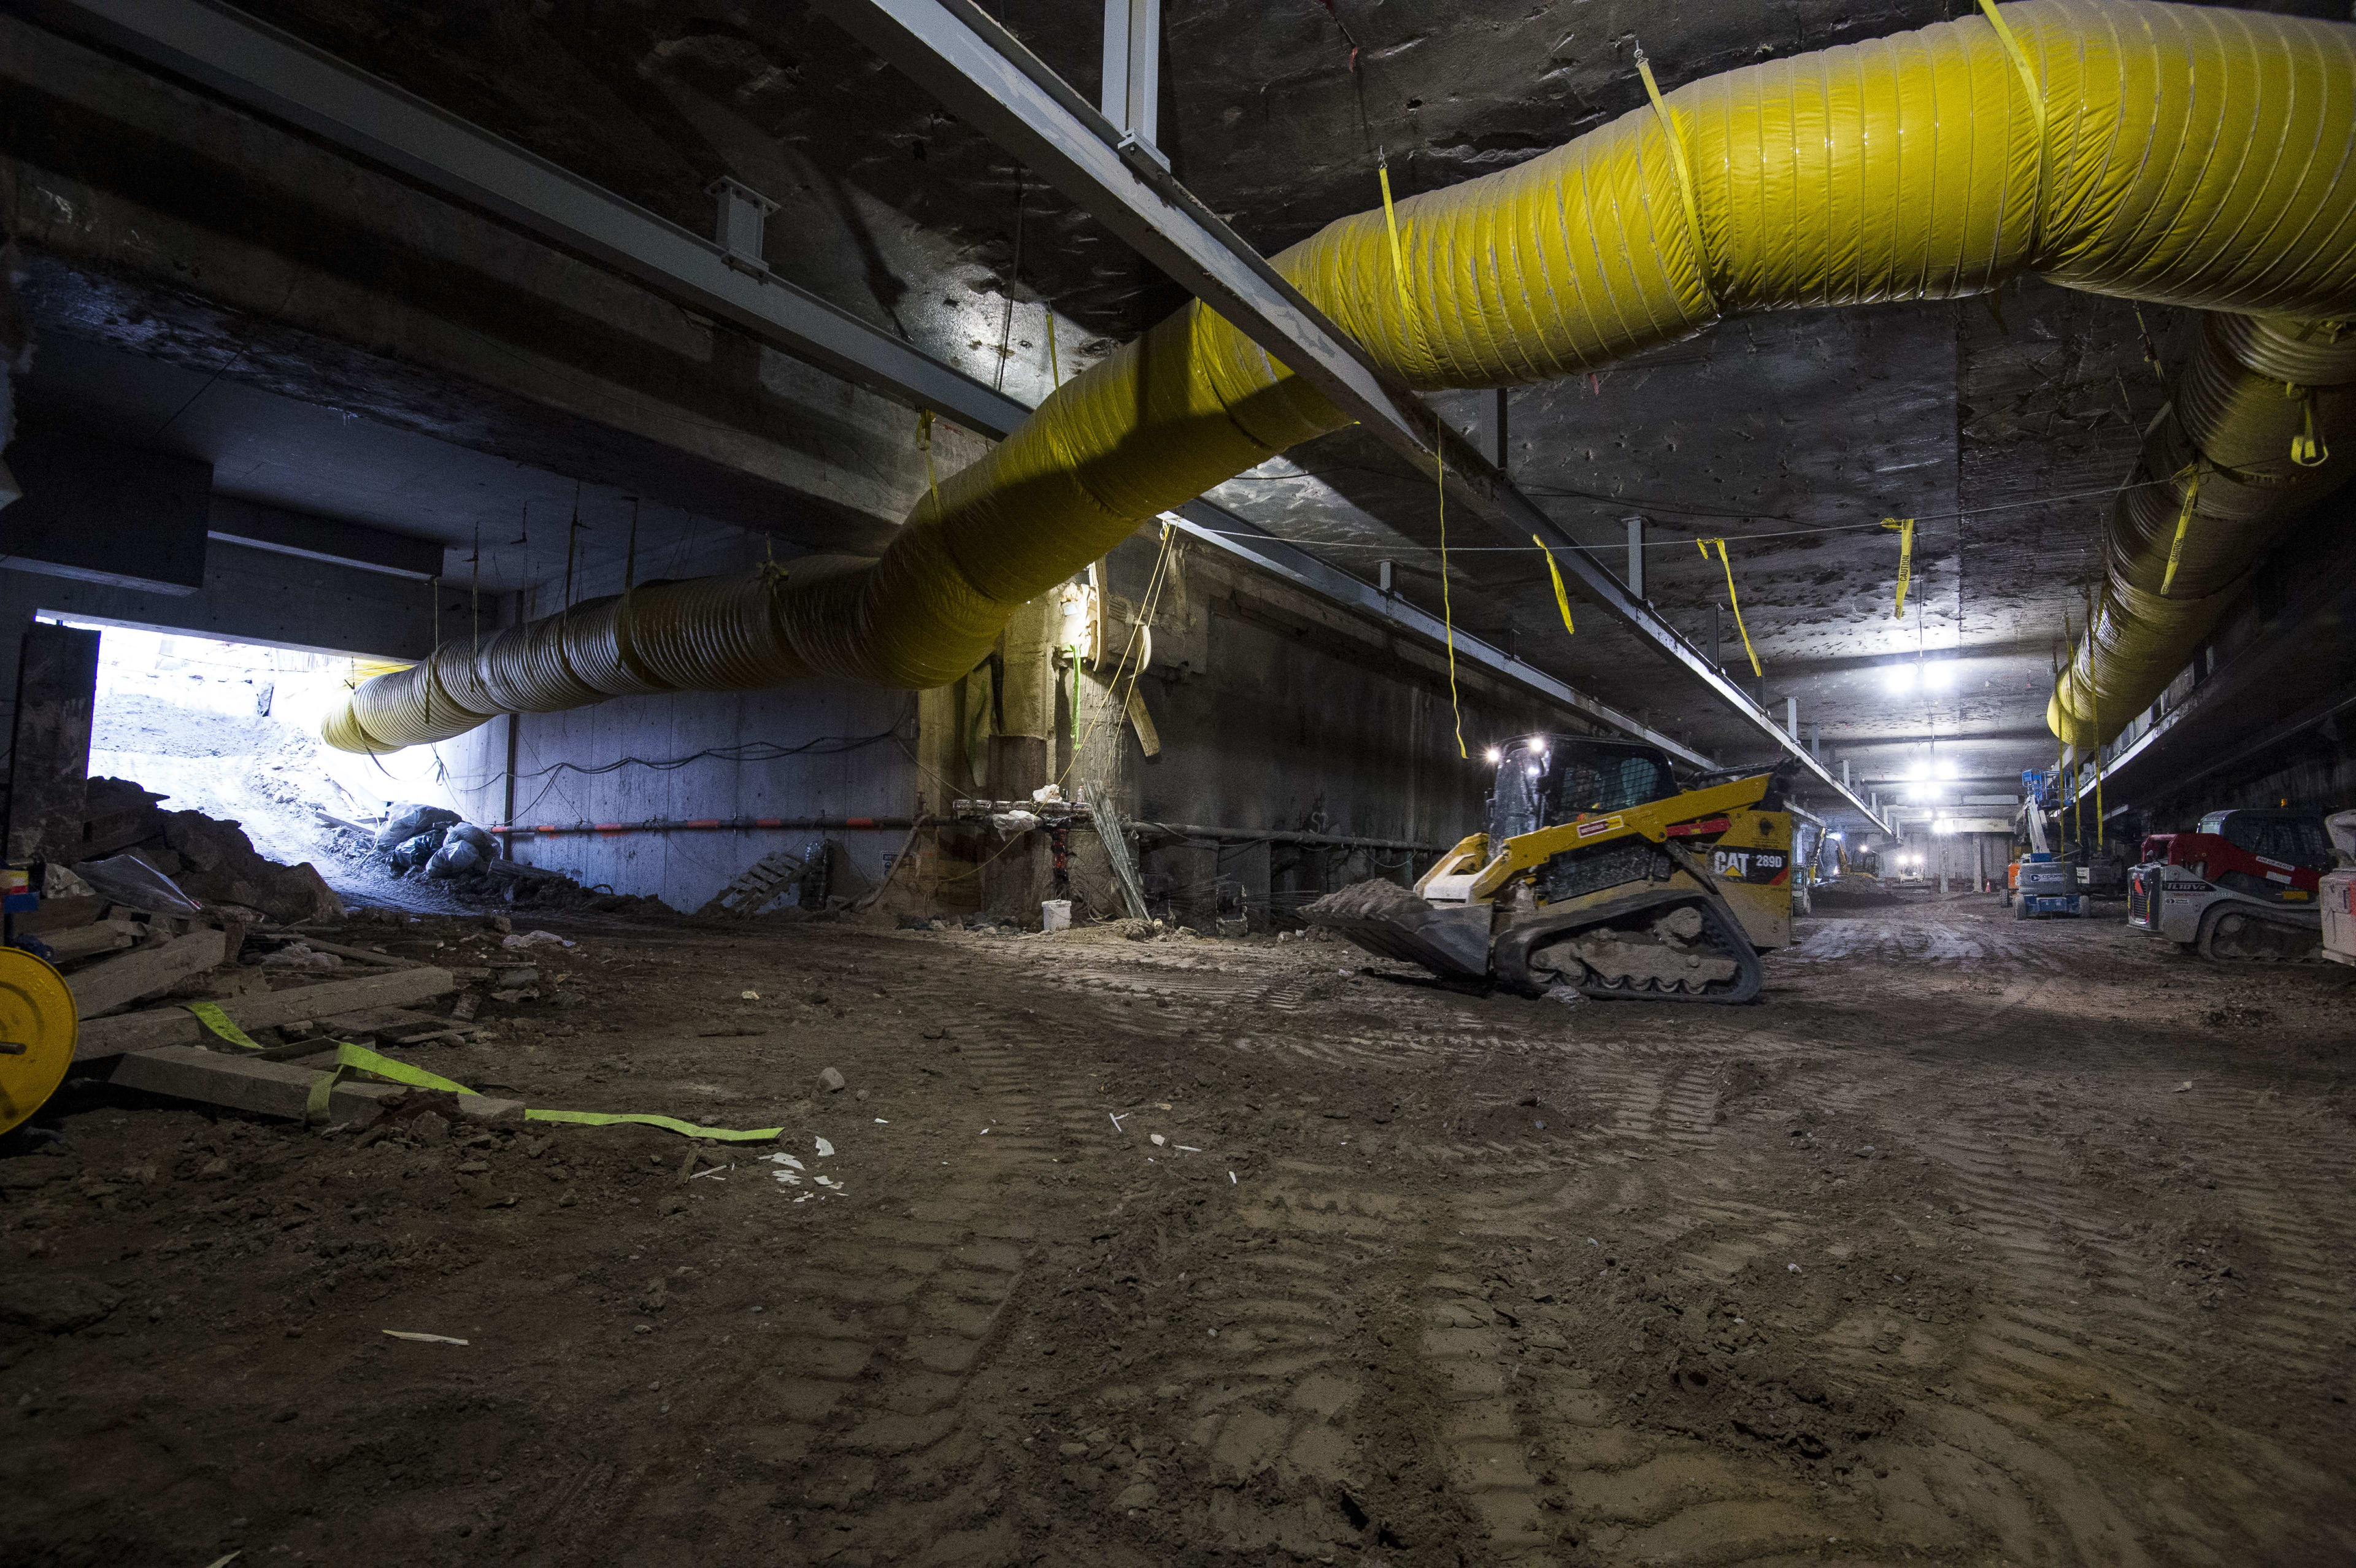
<point>351,1057</point>
<point>1561,598</point>
<point>1905,528</point>
<point>2183,527</point>
<point>1732,602</point>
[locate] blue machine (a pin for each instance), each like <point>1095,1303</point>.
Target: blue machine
<point>2049,887</point>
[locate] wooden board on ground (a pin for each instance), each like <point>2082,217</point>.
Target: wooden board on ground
<point>398,1025</point>
<point>249,1082</point>
<point>116,982</point>
<point>178,1026</point>
<point>245,1084</point>
<point>98,936</point>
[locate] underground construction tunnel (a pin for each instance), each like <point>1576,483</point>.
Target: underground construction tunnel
<point>881,782</point>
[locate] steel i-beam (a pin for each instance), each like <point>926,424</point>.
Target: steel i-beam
<point>983,74</point>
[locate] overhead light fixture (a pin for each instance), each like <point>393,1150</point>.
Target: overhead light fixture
<point>1916,773</point>
<point>1538,746</point>
<point>1946,767</point>
<point>1900,678</point>
<point>1495,756</point>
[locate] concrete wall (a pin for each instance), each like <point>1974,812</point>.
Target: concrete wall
<point>872,777</point>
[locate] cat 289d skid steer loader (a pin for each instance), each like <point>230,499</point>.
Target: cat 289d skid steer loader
<point>1597,872</point>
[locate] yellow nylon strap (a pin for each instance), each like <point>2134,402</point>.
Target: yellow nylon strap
<point>2307,448</point>
<point>1399,255</point>
<point>2095,718</point>
<point>2028,72</point>
<point>213,1019</point>
<point>1685,174</point>
<point>1440,455</point>
<point>1733,602</point>
<point>2183,527</point>
<point>669,1124</point>
<point>925,439</point>
<point>352,1058</point>
<point>1561,598</point>
<point>1905,529</point>
<point>2036,107</point>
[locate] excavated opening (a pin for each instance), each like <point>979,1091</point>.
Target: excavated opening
<point>231,730</point>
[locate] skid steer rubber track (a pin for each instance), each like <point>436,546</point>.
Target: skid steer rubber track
<point>1523,954</point>
<point>2248,933</point>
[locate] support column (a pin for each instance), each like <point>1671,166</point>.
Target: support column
<point>56,693</point>
<point>1021,757</point>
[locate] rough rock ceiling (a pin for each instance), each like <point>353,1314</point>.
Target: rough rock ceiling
<point>2000,426</point>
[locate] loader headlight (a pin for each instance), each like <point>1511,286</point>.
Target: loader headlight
<point>1495,756</point>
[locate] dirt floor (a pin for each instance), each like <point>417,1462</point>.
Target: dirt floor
<point>1975,1242</point>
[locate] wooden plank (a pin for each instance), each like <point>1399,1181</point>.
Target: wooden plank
<point>119,981</point>
<point>100,936</point>
<point>245,1084</point>
<point>357,955</point>
<point>271,1088</point>
<point>178,1026</point>
<point>398,1025</point>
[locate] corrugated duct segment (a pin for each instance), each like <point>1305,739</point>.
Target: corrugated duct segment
<point>2184,155</point>
<point>2260,425</point>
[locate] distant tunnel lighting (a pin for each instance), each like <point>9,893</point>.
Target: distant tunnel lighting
<point>1495,755</point>
<point>1532,770</point>
<point>1538,746</point>
<point>1929,676</point>
<point>1836,837</point>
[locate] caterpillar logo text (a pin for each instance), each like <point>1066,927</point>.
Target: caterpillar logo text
<point>1768,866</point>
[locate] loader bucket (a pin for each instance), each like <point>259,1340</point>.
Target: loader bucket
<point>1449,940</point>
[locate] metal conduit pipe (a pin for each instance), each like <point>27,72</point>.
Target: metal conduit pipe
<point>2185,154</point>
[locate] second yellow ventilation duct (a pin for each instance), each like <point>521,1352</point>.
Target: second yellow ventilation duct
<point>2260,425</point>
<point>2185,154</point>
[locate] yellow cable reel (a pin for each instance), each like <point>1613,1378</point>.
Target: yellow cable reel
<point>37,1030</point>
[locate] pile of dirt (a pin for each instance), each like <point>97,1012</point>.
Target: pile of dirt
<point>1372,900</point>
<point>213,861</point>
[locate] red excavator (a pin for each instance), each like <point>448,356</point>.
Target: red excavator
<point>2241,886</point>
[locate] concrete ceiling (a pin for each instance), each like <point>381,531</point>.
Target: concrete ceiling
<point>2000,424</point>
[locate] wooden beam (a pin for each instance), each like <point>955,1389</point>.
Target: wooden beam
<point>178,1026</point>
<point>119,981</point>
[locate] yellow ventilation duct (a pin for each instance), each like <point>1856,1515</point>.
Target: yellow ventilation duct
<point>2260,425</point>
<point>2179,154</point>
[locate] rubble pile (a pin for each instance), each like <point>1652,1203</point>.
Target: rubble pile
<point>211,861</point>
<point>433,843</point>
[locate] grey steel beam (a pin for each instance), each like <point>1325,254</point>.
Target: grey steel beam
<point>1280,557</point>
<point>984,75</point>
<point>262,67</point>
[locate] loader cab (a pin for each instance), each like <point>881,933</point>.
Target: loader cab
<point>1544,779</point>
